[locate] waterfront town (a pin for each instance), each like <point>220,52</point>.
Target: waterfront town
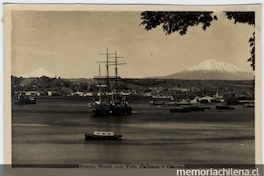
<point>203,91</point>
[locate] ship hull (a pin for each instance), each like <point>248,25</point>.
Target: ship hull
<point>107,109</point>
<point>99,137</point>
<point>175,110</point>
<point>194,108</point>
<point>23,101</point>
<point>224,108</point>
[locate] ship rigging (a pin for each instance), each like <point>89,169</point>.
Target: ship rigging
<point>110,102</point>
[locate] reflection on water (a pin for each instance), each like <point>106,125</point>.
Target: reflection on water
<point>52,132</point>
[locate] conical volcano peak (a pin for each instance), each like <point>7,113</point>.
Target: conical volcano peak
<point>212,69</point>
<point>213,65</point>
<point>38,73</point>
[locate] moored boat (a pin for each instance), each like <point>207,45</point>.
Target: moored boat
<point>102,135</point>
<point>116,108</point>
<point>161,99</point>
<point>224,107</point>
<point>111,101</point>
<point>195,108</point>
<point>21,99</point>
<point>154,102</point>
<point>250,105</point>
<point>179,110</point>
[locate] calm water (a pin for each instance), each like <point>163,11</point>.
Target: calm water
<point>52,132</point>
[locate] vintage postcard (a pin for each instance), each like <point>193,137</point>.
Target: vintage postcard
<point>131,89</point>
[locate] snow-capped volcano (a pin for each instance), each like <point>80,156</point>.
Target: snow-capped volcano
<point>211,69</point>
<point>38,73</point>
<point>212,65</point>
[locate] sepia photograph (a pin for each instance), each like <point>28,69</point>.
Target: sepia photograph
<point>132,85</point>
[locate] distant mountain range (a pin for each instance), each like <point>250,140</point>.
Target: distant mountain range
<point>206,70</point>
<point>39,73</point>
<point>212,69</point>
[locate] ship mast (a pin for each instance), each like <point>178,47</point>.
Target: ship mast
<point>99,81</point>
<point>116,72</point>
<point>107,69</point>
<point>108,63</point>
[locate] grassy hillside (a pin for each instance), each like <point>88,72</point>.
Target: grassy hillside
<point>237,85</point>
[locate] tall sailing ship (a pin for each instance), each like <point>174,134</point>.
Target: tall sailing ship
<point>110,100</point>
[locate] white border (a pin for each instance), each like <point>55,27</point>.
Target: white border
<point>176,2</point>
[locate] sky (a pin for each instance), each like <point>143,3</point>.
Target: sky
<point>68,44</point>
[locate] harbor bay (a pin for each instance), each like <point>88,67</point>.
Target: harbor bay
<point>52,132</point>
